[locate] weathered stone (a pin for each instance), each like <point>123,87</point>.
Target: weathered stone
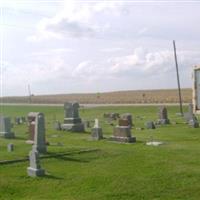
<point>123,122</point>
<point>163,116</point>
<point>127,116</point>
<point>150,125</point>
<point>193,123</point>
<point>122,134</point>
<point>35,169</point>
<point>57,126</point>
<point>5,127</point>
<point>17,120</point>
<point>97,133</point>
<point>10,147</point>
<point>72,121</point>
<point>39,136</point>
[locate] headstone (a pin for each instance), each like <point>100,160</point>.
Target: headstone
<point>5,127</point>
<point>163,116</point>
<point>10,147</point>
<point>39,136</point>
<point>123,133</point>
<point>35,169</point>
<point>31,127</point>
<point>72,121</point>
<point>57,126</point>
<point>193,123</point>
<point>189,115</point>
<point>128,117</point>
<point>97,133</point>
<point>150,125</point>
<point>17,120</point>
<point>196,89</point>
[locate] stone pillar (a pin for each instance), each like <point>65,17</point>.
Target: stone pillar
<point>35,169</point>
<point>39,136</point>
<point>97,133</point>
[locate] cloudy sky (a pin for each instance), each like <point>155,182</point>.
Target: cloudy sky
<point>77,46</point>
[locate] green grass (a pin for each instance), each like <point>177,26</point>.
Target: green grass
<point>114,171</point>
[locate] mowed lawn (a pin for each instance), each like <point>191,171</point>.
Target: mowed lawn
<point>103,170</point>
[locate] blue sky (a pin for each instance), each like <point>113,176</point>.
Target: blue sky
<point>94,46</point>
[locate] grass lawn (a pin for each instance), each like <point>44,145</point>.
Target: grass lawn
<point>110,171</point>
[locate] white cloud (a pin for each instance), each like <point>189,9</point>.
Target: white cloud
<point>76,20</point>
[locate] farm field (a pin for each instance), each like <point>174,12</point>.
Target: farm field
<point>104,170</point>
<point>118,97</point>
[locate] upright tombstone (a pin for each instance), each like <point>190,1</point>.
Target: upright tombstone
<point>10,147</point>
<point>39,136</point>
<point>35,169</point>
<point>72,121</point>
<point>150,125</point>
<point>36,128</point>
<point>17,120</point>
<point>163,116</point>
<point>189,115</point>
<point>5,127</point>
<point>97,133</point>
<point>196,89</point>
<point>31,127</point>
<point>122,132</point>
<point>128,117</point>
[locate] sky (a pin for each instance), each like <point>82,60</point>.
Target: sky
<point>78,46</point>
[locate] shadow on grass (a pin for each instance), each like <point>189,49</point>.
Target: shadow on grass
<point>48,176</point>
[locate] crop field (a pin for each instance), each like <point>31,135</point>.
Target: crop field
<point>78,168</point>
<point>121,97</point>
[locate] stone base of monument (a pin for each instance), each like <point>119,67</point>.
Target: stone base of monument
<point>35,172</point>
<point>122,134</point>
<point>74,127</point>
<point>97,133</point>
<point>7,135</point>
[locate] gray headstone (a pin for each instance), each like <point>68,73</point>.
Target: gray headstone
<point>35,169</point>
<point>39,136</point>
<point>163,116</point>
<point>10,147</point>
<point>193,123</point>
<point>57,126</point>
<point>97,133</point>
<point>72,121</point>
<point>5,127</point>
<point>127,116</point>
<point>71,110</point>
<point>150,125</point>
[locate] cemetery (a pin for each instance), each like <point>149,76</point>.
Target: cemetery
<point>135,158</point>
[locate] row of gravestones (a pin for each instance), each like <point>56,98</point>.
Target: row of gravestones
<point>72,121</point>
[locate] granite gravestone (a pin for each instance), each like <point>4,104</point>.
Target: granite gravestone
<point>5,127</point>
<point>163,116</point>
<point>10,147</point>
<point>97,133</point>
<point>150,125</point>
<point>128,117</point>
<point>35,169</point>
<point>39,136</point>
<point>31,127</point>
<point>72,121</point>
<point>122,132</point>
